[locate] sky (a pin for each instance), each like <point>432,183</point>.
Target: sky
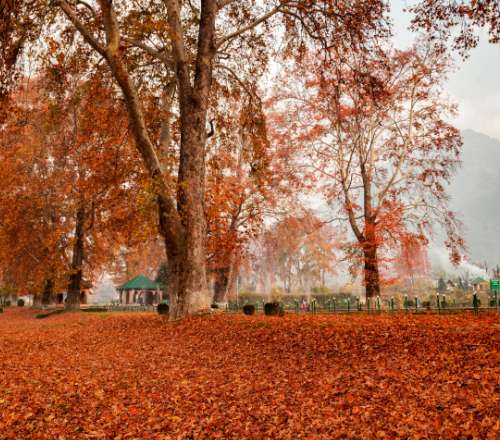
<point>475,85</point>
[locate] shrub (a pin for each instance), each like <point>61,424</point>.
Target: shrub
<point>8,303</point>
<point>163,309</point>
<point>273,309</point>
<point>47,314</point>
<point>95,309</point>
<point>214,306</point>
<point>1,309</point>
<point>20,302</point>
<point>249,309</point>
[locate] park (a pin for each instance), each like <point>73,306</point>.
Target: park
<point>272,219</point>
<point>136,375</point>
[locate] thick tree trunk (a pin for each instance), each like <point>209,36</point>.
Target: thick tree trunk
<point>371,272</point>
<point>182,224</point>
<point>48,293</point>
<point>75,278</point>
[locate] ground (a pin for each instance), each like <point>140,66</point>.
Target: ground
<point>120,375</point>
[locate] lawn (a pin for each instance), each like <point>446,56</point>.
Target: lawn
<point>119,375</point>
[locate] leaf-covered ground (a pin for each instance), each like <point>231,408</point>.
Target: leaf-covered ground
<point>139,376</point>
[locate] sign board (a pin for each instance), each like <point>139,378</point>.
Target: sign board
<point>494,284</point>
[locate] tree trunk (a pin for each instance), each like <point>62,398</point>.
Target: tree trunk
<point>221,284</point>
<point>182,224</point>
<point>75,278</point>
<point>372,278</point>
<point>48,293</point>
<point>37,300</point>
<point>231,280</point>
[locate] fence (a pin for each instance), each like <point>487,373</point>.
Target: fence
<point>378,305</point>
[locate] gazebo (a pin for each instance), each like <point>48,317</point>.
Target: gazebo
<point>140,290</point>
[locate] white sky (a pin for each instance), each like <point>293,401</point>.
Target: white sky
<point>475,85</point>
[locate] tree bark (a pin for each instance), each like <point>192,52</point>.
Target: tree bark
<point>75,278</point>
<point>221,284</point>
<point>48,293</point>
<point>37,300</point>
<point>371,268</point>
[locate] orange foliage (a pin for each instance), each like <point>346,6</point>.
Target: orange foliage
<point>137,376</point>
<point>65,149</point>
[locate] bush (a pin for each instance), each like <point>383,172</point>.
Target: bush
<point>95,309</point>
<point>47,314</point>
<point>1,309</point>
<point>20,302</point>
<point>8,303</point>
<point>273,309</point>
<point>214,306</point>
<point>163,309</point>
<point>249,309</point>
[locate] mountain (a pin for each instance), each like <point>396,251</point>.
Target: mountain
<point>475,195</point>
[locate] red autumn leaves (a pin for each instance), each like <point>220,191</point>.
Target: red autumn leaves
<point>138,376</point>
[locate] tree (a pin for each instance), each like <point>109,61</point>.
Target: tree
<point>184,41</point>
<point>441,285</point>
<point>412,261</point>
<point>300,249</point>
<point>71,185</point>
<point>441,18</point>
<point>379,144</point>
<point>249,179</point>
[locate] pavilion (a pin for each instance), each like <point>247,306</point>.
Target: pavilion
<point>140,290</point>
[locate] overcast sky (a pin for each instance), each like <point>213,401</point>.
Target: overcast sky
<point>475,85</point>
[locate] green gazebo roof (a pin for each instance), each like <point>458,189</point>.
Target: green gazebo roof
<point>477,280</point>
<point>140,282</point>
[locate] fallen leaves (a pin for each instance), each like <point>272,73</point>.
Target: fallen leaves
<point>139,376</point>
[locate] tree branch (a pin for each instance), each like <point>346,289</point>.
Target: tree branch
<point>248,27</point>
<point>87,35</point>
<point>177,38</point>
<point>223,3</point>
<point>155,53</point>
<point>110,26</point>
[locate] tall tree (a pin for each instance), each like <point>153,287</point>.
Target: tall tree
<point>185,39</point>
<point>71,184</point>
<point>380,145</point>
<point>300,250</point>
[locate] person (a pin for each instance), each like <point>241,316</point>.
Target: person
<point>304,304</point>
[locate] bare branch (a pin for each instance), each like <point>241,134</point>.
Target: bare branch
<point>248,27</point>
<point>155,53</point>
<point>238,80</point>
<point>90,8</point>
<point>87,35</point>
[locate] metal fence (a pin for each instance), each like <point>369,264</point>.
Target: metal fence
<point>440,304</point>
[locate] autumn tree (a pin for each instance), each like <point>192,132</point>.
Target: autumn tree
<point>71,184</point>
<point>458,20</point>
<point>188,42</point>
<point>380,147</point>
<point>249,179</point>
<point>300,250</point>
<point>412,260</point>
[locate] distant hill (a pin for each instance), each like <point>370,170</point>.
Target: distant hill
<point>475,194</point>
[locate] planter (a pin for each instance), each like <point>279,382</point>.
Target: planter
<point>274,309</point>
<point>249,309</point>
<point>163,309</point>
